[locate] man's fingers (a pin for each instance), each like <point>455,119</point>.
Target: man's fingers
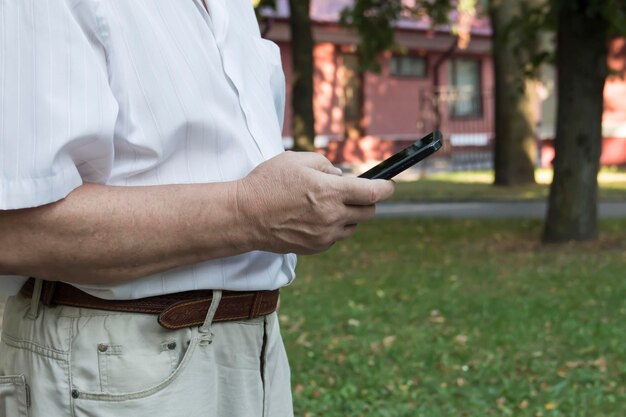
<point>331,169</point>
<point>316,161</point>
<point>365,192</point>
<point>358,214</point>
<point>348,230</point>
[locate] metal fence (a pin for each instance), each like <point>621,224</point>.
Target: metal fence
<point>466,119</point>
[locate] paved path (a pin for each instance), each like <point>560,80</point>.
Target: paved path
<point>487,210</point>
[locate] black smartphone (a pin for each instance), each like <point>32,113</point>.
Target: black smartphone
<point>406,158</point>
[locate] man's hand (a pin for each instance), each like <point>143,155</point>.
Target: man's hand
<point>299,202</point>
<point>101,234</point>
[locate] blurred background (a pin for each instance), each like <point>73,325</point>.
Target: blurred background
<point>424,76</point>
<point>494,283</point>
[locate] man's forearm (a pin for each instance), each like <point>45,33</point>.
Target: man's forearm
<point>294,202</point>
<point>104,234</point>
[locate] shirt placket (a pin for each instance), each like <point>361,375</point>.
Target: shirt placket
<point>216,16</point>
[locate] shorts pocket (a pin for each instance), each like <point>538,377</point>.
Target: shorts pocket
<point>14,396</point>
<point>120,354</point>
<point>134,367</point>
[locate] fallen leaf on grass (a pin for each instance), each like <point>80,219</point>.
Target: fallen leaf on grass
<point>295,326</point>
<point>354,322</point>
<point>461,339</point>
<point>550,406</point>
<point>388,341</point>
<point>599,363</point>
<point>302,340</point>
<point>575,364</point>
<point>436,317</point>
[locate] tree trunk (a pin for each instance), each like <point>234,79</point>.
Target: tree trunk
<point>582,70</point>
<point>302,124</point>
<point>515,141</point>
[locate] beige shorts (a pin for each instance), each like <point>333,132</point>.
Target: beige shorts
<point>77,362</point>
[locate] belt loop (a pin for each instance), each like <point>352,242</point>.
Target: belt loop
<point>256,304</point>
<point>205,330</point>
<point>33,311</point>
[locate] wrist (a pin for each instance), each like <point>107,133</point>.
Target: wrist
<point>246,223</point>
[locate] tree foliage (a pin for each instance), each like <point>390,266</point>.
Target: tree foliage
<point>259,7</point>
<point>542,17</point>
<point>260,4</point>
<point>375,20</point>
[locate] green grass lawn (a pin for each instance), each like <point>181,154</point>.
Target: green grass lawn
<point>477,185</point>
<point>459,318</point>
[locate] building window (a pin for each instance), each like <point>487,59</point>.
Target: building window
<point>408,66</point>
<point>465,79</point>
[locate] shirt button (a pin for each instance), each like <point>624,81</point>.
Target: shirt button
<point>171,346</point>
<point>103,347</point>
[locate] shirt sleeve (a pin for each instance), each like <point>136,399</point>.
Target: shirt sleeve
<point>57,112</point>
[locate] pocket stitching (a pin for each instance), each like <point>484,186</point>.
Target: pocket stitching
<point>34,347</point>
<point>148,391</point>
<point>102,370</point>
<point>19,383</point>
<point>103,364</point>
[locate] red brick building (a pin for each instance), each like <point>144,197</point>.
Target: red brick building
<point>614,120</point>
<point>436,84</point>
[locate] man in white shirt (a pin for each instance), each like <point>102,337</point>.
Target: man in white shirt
<point>143,182</point>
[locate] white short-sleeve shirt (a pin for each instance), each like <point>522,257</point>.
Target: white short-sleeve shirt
<point>140,92</point>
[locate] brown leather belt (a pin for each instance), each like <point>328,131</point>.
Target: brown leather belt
<point>176,311</point>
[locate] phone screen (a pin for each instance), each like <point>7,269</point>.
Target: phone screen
<point>406,158</point>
